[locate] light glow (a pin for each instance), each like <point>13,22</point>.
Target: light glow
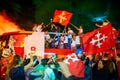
<point>6,24</point>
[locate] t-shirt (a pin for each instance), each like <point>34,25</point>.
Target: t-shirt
<point>70,32</point>
<point>77,40</point>
<point>17,73</point>
<point>49,74</point>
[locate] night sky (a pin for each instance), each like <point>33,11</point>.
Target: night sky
<point>86,12</point>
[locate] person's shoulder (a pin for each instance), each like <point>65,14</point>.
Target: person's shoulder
<point>16,70</point>
<point>21,67</point>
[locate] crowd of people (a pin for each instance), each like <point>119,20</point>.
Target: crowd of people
<point>92,67</point>
<point>67,40</point>
<point>89,67</point>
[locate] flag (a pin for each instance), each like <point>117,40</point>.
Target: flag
<point>99,40</point>
<point>62,17</point>
<point>115,35</point>
<point>75,65</point>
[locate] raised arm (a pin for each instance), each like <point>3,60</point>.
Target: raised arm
<point>64,69</point>
<point>76,27</point>
<point>26,67</point>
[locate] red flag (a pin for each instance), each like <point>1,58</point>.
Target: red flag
<point>75,65</point>
<point>99,40</point>
<point>115,35</point>
<point>62,17</point>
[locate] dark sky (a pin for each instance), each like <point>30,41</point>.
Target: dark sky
<point>27,12</point>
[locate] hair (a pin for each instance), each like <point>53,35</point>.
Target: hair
<point>108,65</point>
<point>34,57</point>
<point>118,55</point>
<point>11,50</point>
<point>44,61</point>
<point>87,61</point>
<point>100,23</point>
<point>106,55</point>
<point>103,62</point>
<point>16,60</point>
<point>105,20</point>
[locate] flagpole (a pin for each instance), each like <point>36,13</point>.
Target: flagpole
<point>64,31</point>
<point>73,25</point>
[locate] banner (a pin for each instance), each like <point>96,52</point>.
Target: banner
<point>34,42</point>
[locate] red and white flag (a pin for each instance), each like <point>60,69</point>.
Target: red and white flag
<point>75,65</point>
<point>62,17</point>
<point>115,35</point>
<point>99,40</point>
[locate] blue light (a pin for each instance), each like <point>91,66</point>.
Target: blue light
<point>79,51</point>
<point>99,19</point>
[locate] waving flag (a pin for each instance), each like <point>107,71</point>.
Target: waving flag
<point>62,17</point>
<point>75,65</point>
<point>99,40</point>
<point>115,35</point>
